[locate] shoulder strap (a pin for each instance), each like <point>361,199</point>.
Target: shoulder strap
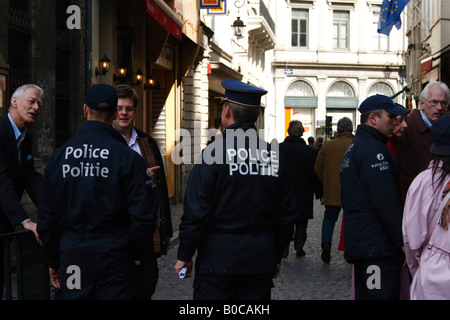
<point>435,219</point>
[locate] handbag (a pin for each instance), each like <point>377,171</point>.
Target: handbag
<point>433,223</point>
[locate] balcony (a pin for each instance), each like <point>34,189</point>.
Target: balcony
<point>261,27</point>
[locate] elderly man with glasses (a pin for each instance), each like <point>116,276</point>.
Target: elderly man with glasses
<point>413,146</point>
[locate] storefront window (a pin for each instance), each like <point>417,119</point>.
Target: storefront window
<point>341,102</point>
<point>300,104</point>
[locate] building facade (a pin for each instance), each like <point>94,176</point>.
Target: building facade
<point>328,58</point>
<point>428,51</point>
<point>315,58</point>
<point>151,45</point>
<point>37,47</point>
<point>225,52</point>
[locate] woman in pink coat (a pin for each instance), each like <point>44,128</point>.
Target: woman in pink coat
<point>429,262</point>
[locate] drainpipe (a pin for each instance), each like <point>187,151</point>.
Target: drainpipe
<point>88,50</point>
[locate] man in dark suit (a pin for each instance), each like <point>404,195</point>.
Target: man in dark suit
<point>17,172</point>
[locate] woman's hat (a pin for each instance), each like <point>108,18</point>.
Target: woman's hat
<point>440,132</point>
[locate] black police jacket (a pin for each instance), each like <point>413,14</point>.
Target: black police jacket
<point>238,206</point>
<point>371,198</point>
<point>97,201</point>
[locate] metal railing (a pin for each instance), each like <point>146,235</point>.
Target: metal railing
<point>25,270</point>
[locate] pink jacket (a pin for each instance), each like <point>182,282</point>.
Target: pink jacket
<point>431,267</point>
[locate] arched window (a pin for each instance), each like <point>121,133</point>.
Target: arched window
<point>300,104</point>
<point>300,89</point>
<point>341,102</point>
<point>341,89</point>
<point>300,94</point>
<point>380,88</point>
<point>342,96</point>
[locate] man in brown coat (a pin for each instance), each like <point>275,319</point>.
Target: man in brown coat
<point>327,168</point>
<point>413,147</point>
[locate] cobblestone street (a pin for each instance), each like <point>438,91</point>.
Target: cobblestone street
<point>301,278</point>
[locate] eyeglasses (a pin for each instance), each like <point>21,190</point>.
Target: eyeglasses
<point>434,103</point>
<point>127,109</point>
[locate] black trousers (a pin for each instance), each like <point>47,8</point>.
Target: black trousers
<point>298,232</point>
<point>377,279</point>
<point>145,277</point>
<point>2,271</point>
<point>300,236</point>
<point>232,287</point>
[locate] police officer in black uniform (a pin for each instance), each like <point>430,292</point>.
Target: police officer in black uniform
<point>371,202</point>
<point>238,208</point>
<point>97,207</point>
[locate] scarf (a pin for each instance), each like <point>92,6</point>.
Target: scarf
<point>147,154</point>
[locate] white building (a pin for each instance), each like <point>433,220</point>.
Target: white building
<point>328,58</point>
<point>246,55</point>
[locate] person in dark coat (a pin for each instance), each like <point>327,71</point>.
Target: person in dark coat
<point>327,168</point>
<point>147,147</point>
<point>238,207</point>
<point>412,148</point>
<point>97,208</point>
<point>300,159</point>
<point>371,200</point>
<point>17,172</point>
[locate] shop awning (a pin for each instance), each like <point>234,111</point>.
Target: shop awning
<point>165,16</point>
<point>426,65</point>
<point>300,102</point>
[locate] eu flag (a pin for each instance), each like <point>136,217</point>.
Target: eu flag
<point>390,15</point>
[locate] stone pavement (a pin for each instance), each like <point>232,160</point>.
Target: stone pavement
<point>301,278</point>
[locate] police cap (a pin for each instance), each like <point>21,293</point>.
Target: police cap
<point>242,93</point>
<point>380,101</point>
<point>102,97</point>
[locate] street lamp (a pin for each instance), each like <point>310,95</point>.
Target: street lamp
<point>120,77</point>
<point>387,72</point>
<point>151,83</point>
<point>139,77</point>
<point>238,27</point>
<point>104,66</point>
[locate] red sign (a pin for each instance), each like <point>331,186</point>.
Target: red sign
<point>164,20</point>
<point>210,3</point>
<point>426,66</point>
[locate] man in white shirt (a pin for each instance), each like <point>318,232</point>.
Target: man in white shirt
<point>147,147</point>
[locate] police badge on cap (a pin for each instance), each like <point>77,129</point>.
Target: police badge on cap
<point>242,93</point>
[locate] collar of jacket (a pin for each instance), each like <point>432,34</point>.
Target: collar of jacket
<point>366,130</point>
<point>346,134</point>
<point>240,125</point>
<point>98,127</point>
<point>416,117</point>
<point>294,139</point>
